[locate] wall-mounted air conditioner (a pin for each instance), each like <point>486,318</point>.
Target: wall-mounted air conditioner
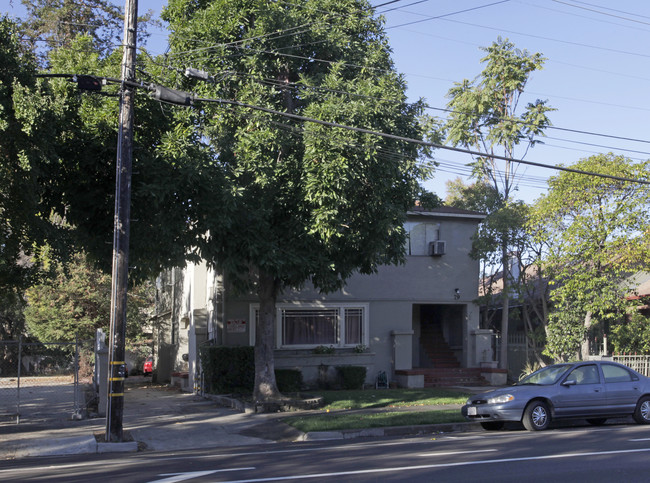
<point>437,248</point>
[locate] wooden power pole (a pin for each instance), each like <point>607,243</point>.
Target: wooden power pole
<point>117,363</point>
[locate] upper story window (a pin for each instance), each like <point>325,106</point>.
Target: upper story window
<point>420,235</point>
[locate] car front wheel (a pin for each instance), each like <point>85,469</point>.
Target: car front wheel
<point>642,411</point>
<point>537,416</point>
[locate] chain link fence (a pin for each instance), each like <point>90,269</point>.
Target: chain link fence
<point>41,381</point>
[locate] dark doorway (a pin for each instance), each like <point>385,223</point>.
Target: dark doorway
<point>441,335</point>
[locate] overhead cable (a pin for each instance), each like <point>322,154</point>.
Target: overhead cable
<point>417,141</point>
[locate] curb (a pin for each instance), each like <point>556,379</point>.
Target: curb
<point>391,431</point>
<point>89,445</point>
<point>70,446</point>
<point>129,447</point>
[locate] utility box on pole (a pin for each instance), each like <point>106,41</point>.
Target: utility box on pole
<point>101,371</point>
<point>117,340</point>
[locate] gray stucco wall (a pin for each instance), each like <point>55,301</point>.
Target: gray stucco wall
<point>390,295</point>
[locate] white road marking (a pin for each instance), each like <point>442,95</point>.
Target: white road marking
<point>176,477</point>
<point>453,453</point>
<point>440,465</point>
<point>318,449</point>
<point>52,467</point>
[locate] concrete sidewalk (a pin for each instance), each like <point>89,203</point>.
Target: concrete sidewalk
<point>159,418</point>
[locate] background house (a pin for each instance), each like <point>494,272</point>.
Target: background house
<point>417,322</point>
<point>528,302</point>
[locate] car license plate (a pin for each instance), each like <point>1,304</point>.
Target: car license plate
<point>471,411</point>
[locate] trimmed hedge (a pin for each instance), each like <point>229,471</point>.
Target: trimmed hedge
<point>352,377</point>
<point>288,380</point>
<point>228,369</point>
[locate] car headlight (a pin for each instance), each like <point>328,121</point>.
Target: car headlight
<point>468,402</point>
<point>503,398</point>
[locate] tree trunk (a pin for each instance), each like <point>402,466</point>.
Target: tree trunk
<point>531,343</point>
<point>266,388</point>
<point>505,310</point>
<point>584,349</point>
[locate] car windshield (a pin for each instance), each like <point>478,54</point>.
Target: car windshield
<point>544,377</point>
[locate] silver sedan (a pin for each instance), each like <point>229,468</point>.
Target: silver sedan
<point>593,390</point>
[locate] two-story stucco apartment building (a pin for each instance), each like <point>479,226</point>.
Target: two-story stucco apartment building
<point>408,321</point>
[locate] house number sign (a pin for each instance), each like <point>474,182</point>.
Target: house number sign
<point>236,326</point>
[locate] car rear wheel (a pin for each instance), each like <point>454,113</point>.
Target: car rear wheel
<point>642,411</point>
<point>492,425</point>
<point>537,416</point>
<point>596,421</point>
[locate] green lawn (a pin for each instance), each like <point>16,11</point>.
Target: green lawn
<point>342,420</point>
<point>382,398</point>
<point>341,409</point>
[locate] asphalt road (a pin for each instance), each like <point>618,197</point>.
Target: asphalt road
<point>611,453</point>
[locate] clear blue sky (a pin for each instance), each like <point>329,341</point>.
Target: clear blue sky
<point>597,74</point>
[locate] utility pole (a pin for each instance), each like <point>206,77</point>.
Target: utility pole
<point>117,364</point>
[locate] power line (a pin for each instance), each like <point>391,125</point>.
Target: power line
<point>577,131</point>
<point>593,19</point>
<point>612,9</point>
<point>416,141</point>
<point>314,59</point>
<point>585,151</point>
<point>175,97</point>
<point>600,103</point>
<point>400,7</point>
<point>437,165</point>
<point>274,82</point>
<point>568,42</point>
<point>281,33</point>
<point>447,14</point>
<point>295,86</point>
<point>598,145</point>
<point>293,31</point>
<point>601,12</point>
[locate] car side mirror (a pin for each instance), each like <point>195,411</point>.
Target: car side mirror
<point>570,382</point>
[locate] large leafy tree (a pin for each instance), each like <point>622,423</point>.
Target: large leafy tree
<point>24,143</point>
<point>486,117</point>
<point>76,302</point>
<point>57,171</point>
<point>24,149</point>
<point>57,23</point>
<point>308,202</point>
<point>597,232</point>
<point>171,168</point>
